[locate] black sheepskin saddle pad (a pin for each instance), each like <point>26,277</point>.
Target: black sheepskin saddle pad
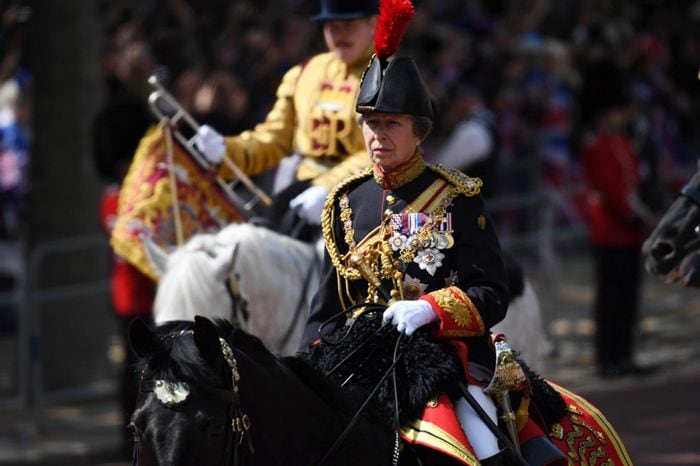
<point>359,356</point>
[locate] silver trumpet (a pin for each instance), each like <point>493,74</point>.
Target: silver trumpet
<point>242,191</point>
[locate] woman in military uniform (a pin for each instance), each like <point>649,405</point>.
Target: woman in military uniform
<point>424,233</point>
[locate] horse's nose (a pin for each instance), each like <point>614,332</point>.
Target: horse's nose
<point>662,250</point>
<point>659,255</point>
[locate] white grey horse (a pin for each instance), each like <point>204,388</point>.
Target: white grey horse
<point>272,277</point>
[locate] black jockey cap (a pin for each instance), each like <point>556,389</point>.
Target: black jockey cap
<point>394,86</point>
<point>346,9</point>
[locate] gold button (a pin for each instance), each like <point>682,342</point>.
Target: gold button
<point>388,212</point>
<point>390,199</point>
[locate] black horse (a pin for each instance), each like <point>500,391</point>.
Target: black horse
<point>212,394</point>
<point>671,251</point>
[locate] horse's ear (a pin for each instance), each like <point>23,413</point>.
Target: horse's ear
<point>225,262</point>
<point>156,256</point>
<point>142,340</point>
<point>207,339</point>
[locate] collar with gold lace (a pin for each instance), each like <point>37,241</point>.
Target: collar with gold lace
<point>403,174</point>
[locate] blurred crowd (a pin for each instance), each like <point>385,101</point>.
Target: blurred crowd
<point>536,66</point>
<point>15,115</point>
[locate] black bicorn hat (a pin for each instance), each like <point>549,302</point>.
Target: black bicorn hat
<point>346,9</point>
<point>394,86</point>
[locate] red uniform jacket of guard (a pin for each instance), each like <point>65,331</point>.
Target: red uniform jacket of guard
<point>611,170</point>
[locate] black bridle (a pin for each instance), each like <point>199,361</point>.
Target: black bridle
<point>238,421</point>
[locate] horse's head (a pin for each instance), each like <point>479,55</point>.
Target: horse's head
<point>669,250</point>
<point>195,279</point>
<point>188,410</point>
<point>205,400</point>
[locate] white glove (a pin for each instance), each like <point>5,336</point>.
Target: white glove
<point>210,143</point>
<point>309,204</point>
<point>410,315</point>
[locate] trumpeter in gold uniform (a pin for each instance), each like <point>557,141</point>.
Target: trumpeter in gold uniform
<point>314,114</point>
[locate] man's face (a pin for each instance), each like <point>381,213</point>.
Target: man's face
<point>350,39</point>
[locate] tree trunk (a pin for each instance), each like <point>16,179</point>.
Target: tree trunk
<point>64,58</point>
<point>71,328</point>
<point>65,191</point>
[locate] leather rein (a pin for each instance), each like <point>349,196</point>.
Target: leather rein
<point>381,332</point>
<point>240,423</point>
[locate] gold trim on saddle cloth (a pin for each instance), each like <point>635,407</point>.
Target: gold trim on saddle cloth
<point>577,436</point>
<point>426,433</point>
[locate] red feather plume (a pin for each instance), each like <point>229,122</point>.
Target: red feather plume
<point>393,19</point>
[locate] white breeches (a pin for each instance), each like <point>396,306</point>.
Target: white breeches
<point>483,441</point>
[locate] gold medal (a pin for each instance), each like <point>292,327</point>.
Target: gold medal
<point>450,240</point>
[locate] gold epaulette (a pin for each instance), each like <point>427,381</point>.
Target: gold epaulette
<point>329,211</point>
<point>464,184</point>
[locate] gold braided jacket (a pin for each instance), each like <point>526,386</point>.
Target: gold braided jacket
<point>314,115</point>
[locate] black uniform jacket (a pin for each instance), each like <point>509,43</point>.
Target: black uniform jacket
<point>473,263</point>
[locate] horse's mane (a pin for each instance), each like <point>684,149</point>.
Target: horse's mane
<point>178,358</point>
<point>251,345</point>
<point>346,400</point>
<point>258,241</point>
